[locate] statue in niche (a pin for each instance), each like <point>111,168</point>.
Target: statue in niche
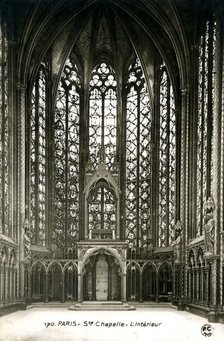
<point>27,238</point>
<point>149,241</point>
<point>89,166</point>
<point>148,246</point>
<point>55,249</point>
<point>177,242</point>
<point>209,225</point>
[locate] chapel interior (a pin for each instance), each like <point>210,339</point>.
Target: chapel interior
<point>112,153</point>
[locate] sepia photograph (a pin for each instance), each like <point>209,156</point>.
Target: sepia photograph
<point>111,170</point>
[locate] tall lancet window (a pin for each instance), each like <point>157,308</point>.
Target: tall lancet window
<point>38,156</point>
<point>4,132</point>
<point>66,163</point>
<point>204,119</point>
<point>167,161</point>
<point>138,157</point>
<point>102,116</point>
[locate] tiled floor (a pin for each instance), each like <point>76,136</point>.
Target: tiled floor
<point>143,324</point>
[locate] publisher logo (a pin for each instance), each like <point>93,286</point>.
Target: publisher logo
<point>206,330</point>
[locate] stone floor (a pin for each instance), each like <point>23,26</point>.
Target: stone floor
<point>143,324</point>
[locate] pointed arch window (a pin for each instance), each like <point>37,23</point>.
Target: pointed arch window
<point>4,131</point>
<point>66,157</point>
<point>102,212</point>
<point>102,116</point>
<point>204,118</point>
<point>167,160</point>
<point>138,157</point>
<point>38,157</point>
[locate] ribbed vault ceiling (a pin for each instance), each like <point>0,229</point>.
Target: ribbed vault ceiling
<point>90,28</point>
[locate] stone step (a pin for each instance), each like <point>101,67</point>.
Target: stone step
<point>54,304</point>
<point>102,302</point>
<point>97,305</point>
<point>101,305</point>
<point>151,304</point>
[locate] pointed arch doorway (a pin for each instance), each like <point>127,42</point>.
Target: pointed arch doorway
<point>102,278</point>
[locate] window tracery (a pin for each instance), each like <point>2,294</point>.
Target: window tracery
<point>204,118</point>
<point>102,115</point>
<point>38,157</point>
<point>4,132</point>
<point>102,205</point>
<point>138,157</point>
<point>66,157</point>
<point>167,161</point>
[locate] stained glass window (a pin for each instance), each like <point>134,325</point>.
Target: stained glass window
<point>102,212</point>
<point>204,118</point>
<point>102,115</point>
<point>4,132</point>
<point>167,161</point>
<point>138,157</point>
<point>38,156</point>
<point>66,162</point>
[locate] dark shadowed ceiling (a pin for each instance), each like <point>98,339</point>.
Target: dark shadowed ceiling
<point>115,29</point>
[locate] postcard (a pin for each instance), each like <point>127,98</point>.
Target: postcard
<point>111,170</point>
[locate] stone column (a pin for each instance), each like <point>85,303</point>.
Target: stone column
<point>28,284</point>
<point>25,283</point>
<point>39,281</point>
<point>193,284</point>
<point>9,283</point>
<point>221,267</point>
<point>184,174</point>
<point>216,136</point>
<point>21,176</point>
<point>141,287</point>
<point>13,284</point>
<point>46,287</point>
<point>202,284</point>
<point>1,277</point>
<point>189,284</point>
<point>72,283</point>
<point>217,157</point>
<point>182,286</point>
<point>206,285</point>
<point>62,286</point>
<point>89,284</point>
<point>80,294</point>
<point>178,282</point>
<point>157,285</point>
<point>197,284</point>
<point>109,279</point>
<point>6,284</point>
<point>123,294</point>
<point>212,315</point>
<point>94,282</point>
<point>174,291</point>
<point>3,284</point>
<point>16,283</point>
<point>213,284</point>
<point>221,199</point>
